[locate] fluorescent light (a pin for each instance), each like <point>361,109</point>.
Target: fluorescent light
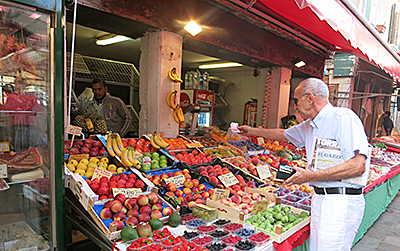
<point>221,65</point>
<point>300,64</point>
<point>193,28</point>
<point>112,40</point>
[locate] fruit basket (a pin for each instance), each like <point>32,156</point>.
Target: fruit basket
<point>259,239</point>
<point>222,152</point>
<point>231,240</point>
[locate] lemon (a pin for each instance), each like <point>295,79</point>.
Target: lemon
<point>102,165</point>
<point>81,166</point>
<point>84,161</point>
<point>94,160</point>
<point>73,162</point>
<point>92,164</point>
<point>104,159</point>
<point>89,174</point>
<point>120,170</point>
<point>71,167</point>
<point>80,171</point>
<point>112,167</point>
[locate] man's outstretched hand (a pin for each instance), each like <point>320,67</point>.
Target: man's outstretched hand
<point>301,176</point>
<point>245,130</point>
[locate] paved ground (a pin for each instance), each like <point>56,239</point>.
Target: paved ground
<point>384,234</point>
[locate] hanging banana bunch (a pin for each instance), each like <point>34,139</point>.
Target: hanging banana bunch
<point>173,76</point>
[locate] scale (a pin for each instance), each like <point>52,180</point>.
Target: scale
<point>195,109</point>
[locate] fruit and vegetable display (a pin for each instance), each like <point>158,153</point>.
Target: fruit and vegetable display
<point>242,201</point>
<point>193,157</point>
<point>247,165</point>
<point>86,167</point>
<point>126,154</point>
<point>206,140</point>
<point>139,145</point>
<point>176,143</point>
<point>221,152</point>
<point>88,146</point>
<point>246,144</point>
<point>151,161</point>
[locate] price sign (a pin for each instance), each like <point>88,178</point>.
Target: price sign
<point>28,249</point>
<point>228,179</point>
<point>263,172</point>
<point>128,192</point>
<point>178,180</point>
<point>4,146</point>
<point>194,145</point>
<point>220,193</point>
<point>260,206</point>
<point>78,157</point>
<point>260,141</point>
<point>3,171</point>
<point>74,130</point>
<point>98,173</point>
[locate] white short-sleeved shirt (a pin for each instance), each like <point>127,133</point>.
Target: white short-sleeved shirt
<point>338,123</point>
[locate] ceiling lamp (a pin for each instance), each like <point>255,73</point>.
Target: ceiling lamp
<point>221,65</point>
<point>298,62</point>
<point>112,40</point>
<point>193,28</point>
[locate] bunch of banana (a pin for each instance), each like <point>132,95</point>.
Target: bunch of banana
<point>171,99</point>
<point>128,157</point>
<point>157,142</point>
<point>178,114</point>
<point>114,144</point>
<point>173,76</point>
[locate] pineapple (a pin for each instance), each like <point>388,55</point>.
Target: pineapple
<point>83,105</point>
<point>99,123</point>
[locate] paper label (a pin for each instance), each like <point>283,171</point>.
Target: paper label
<point>74,130</point>
<point>28,249</point>
<point>3,171</point>
<point>178,180</point>
<point>228,179</point>
<point>138,155</point>
<point>260,141</point>
<point>193,145</point>
<point>4,146</point>
<point>78,157</point>
<point>263,172</point>
<point>234,127</point>
<point>260,206</point>
<point>220,193</point>
<point>128,192</point>
<point>98,173</point>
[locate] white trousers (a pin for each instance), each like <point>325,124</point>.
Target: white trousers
<point>335,219</point>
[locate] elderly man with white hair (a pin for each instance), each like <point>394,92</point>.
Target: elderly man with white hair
<point>337,207</point>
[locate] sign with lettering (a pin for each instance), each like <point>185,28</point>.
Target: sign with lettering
<point>260,141</point>
<point>3,171</point>
<point>78,157</point>
<point>128,192</point>
<point>220,193</point>
<point>74,130</point>
<point>228,179</point>
<point>178,180</point>
<point>194,145</point>
<point>98,173</point>
<point>263,172</point>
<point>260,206</point>
<point>4,146</point>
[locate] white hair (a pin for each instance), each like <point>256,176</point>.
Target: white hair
<point>315,86</point>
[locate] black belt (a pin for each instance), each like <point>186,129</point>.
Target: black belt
<point>337,190</point>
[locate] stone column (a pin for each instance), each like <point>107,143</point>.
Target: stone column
<point>160,51</point>
<point>279,96</point>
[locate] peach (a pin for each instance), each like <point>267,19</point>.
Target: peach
<point>107,204</point>
<point>252,203</point>
<point>145,210</point>
<point>167,211</point>
<point>131,222</point>
<point>144,218</point>
<point>202,187</point>
<point>156,207</point>
<point>171,187</point>
<point>121,197</point>
<point>157,181</point>
<point>124,210</point>
<point>119,224</point>
<point>205,195</point>
<point>236,199</point>
<point>241,193</point>
<point>226,201</point>
<point>170,194</point>
<point>243,206</point>
<point>187,176</point>
<point>179,193</point>
<point>245,211</point>
<point>116,206</point>
<point>214,180</point>
<point>246,199</point>
<point>132,213</point>
<point>119,216</point>
<point>195,190</point>
<point>187,191</point>
<point>188,183</point>
<point>185,171</point>
<point>130,203</point>
<point>106,214</point>
<point>197,196</point>
<point>164,176</point>
<point>195,182</point>
<point>191,204</point>
<point>142,200</point>
<point>190,198</point>
<point>156,214</point>
<point>200,201</point>
<point>233,205</point>
<point>153,198</point>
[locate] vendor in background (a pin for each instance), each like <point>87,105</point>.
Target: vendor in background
<point>115,113</point>
<point>387,123</point>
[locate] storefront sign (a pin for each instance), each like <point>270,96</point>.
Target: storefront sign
<point>260,206</point>
<point>228,179</point>
<point>78,157</point>
<point>178,180</point>
<point>98,173</point>
<point>4,146</point>
<point>263,172</point>
<point>3,171</point>
<point>220,193</point>
<point>128,192</point>
<point>74,130</point>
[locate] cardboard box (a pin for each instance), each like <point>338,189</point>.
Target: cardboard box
<point>82,191</point>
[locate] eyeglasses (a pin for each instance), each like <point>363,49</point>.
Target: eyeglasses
<point>295,100</point>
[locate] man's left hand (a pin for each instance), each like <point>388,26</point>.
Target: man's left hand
<point>301,176</point>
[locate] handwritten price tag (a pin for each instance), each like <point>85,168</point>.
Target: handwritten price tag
<point>178,180</point>
<point>220,193</point>
<point>28,249</point>
<point>98,173</point>
<point>74,130</point>
<point>194,145</point>
<point>78,157</point>
<point>263,172</point>
<point>260,206</point>
<point>3,171</point>
<point>260,141</point>
<point>4,146</point>
<point>228,179</point>
<point>128,192</point>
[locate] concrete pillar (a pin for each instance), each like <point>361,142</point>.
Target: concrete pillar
<point>279,96</point>
<point>261,94</point>
<point>160,51</point>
